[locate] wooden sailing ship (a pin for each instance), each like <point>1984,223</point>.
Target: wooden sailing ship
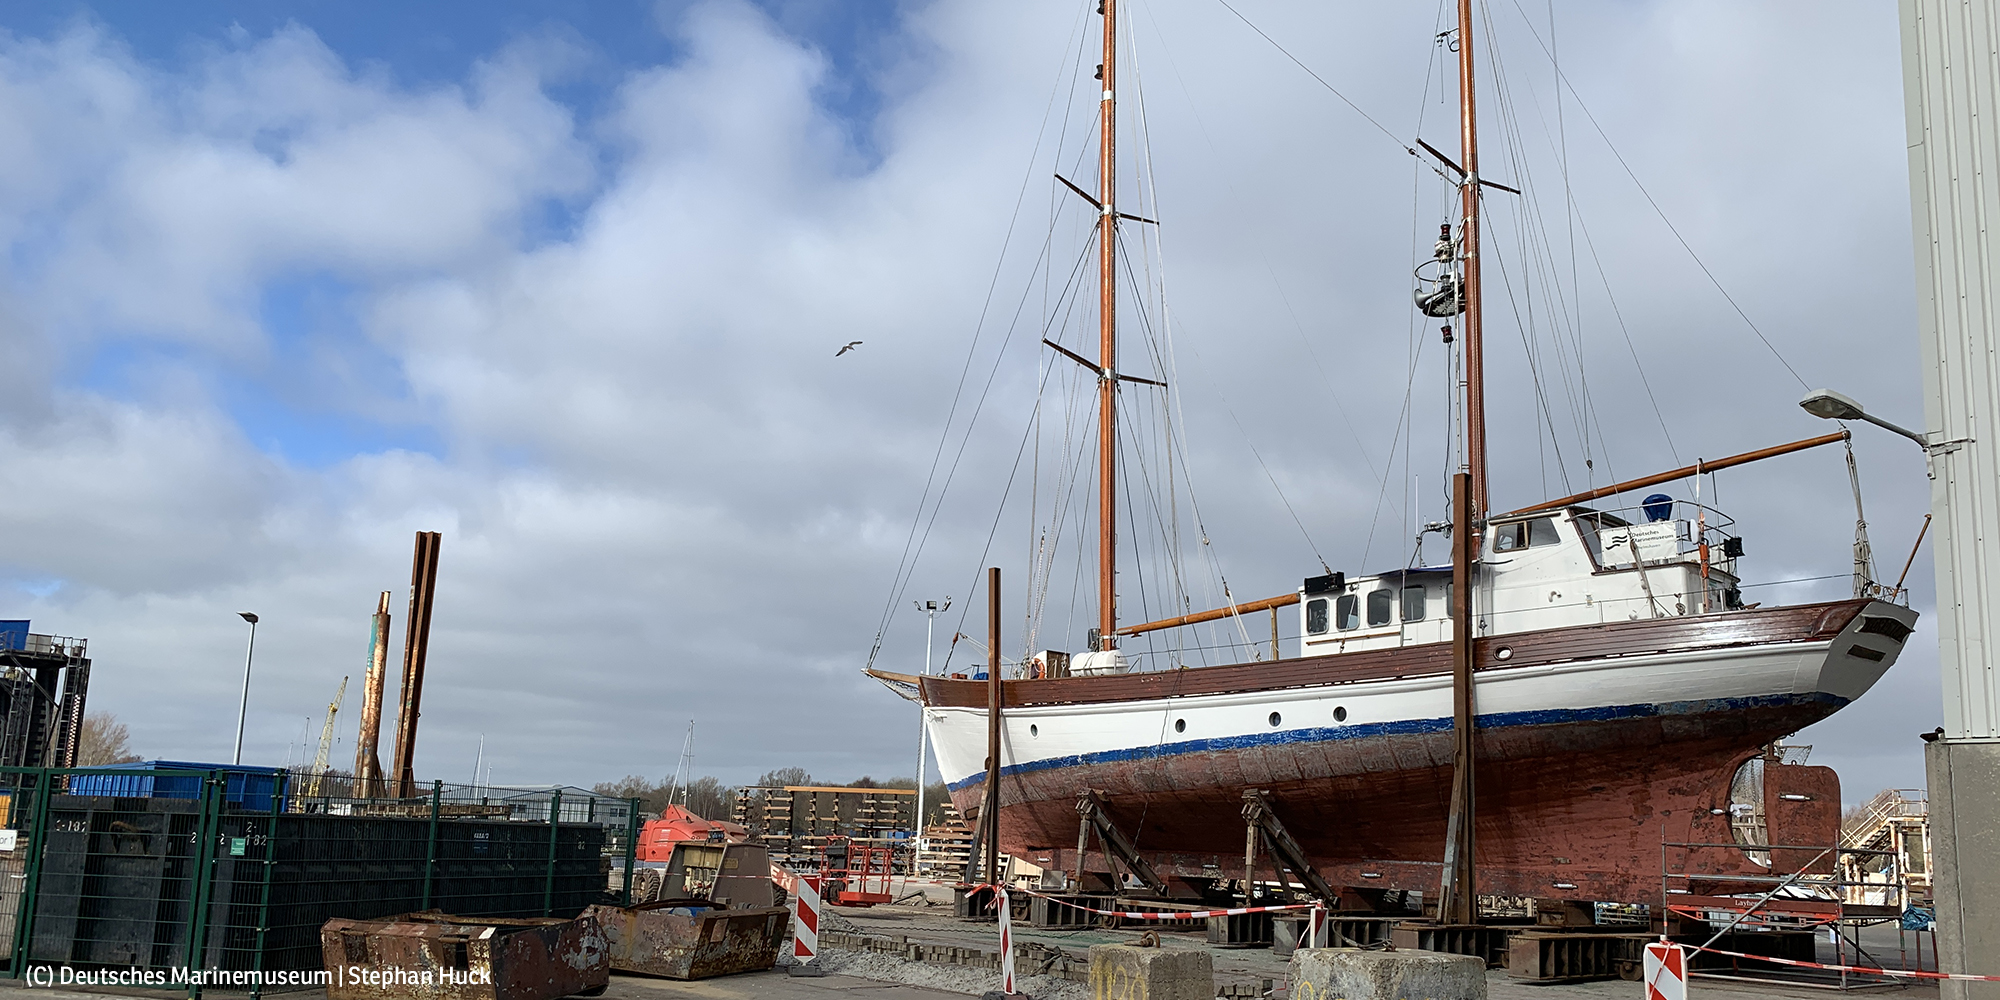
<point>1582,682</point>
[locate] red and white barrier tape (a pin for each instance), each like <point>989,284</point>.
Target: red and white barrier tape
<point>1759,919</point>
<point>1857,968</point>
<point>1155,915</point>
<point>1177,915</point>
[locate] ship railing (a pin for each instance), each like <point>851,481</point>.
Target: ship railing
<point>1692,523</point>
<point>1887,805</point>
<point>46,645</point>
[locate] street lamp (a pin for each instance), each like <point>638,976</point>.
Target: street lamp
<point>1830,405</point>
<point>243,709</point>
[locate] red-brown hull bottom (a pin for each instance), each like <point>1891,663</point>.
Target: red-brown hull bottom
<point>1575,810</point>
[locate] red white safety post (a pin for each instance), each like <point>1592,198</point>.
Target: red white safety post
<point>1006,945</point>
<point>805,927</point>
<point>1666,971</point>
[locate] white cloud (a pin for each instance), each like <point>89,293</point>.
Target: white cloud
<point>663,497</point>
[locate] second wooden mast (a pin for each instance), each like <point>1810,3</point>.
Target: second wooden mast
<point>1460,895</point>
<point>1107,331</point>
<point>1475,370</point>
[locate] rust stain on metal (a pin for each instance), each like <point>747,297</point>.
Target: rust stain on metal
<point>437,956</point>
<point>367,749</point>
<point>692,944</point>
<point>416,648</point>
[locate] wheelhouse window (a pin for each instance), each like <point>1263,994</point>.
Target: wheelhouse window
<point>1379,604</point>
<point>1413,604</point>
<point>1525,534</point>
<point>1347,613</point>
<point>1316,616</point>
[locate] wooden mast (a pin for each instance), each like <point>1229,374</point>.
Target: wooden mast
<point>1459,904</point>
<point>1107,332</point>
<point>1475,373</point>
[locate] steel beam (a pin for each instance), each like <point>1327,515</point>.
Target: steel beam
<point>1096,811</point>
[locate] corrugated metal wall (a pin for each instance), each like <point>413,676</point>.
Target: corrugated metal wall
<point>1952,90</point>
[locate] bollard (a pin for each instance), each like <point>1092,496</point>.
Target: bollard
<point>805,928</point>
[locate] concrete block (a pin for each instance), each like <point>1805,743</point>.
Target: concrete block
<point>1122,972</point>
<point>1965,853</point>
<point>1353,974</point>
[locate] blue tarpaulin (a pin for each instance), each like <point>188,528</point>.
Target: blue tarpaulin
<point>244,786</point>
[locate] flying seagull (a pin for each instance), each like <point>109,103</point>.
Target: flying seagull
<point>850,346</point>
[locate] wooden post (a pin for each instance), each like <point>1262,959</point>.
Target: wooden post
<point>989,812</point>
<point>1458,903</point>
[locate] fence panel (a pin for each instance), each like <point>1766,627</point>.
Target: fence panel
<point>182,870</point>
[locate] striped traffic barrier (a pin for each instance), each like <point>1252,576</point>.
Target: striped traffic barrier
<point>1006,946</point>
<point>805,927</point>
<point>1665,968</point>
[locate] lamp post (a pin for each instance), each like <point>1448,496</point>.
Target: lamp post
<point>243,709</point>
<point>1830,405</point>
<point>931,610</point>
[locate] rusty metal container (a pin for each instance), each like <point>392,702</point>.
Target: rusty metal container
<point>698,942</point>
<point>437,956</point>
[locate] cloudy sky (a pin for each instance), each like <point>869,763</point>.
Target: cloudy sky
<point>287,282</point>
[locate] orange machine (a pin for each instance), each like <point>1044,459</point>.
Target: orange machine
<point>678,826</point>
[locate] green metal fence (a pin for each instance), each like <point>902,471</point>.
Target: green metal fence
<point>166,881</point>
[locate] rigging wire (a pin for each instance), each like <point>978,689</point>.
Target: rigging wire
<point>1404,146</point>
<point>999,512</point>
<point>1524,323</point>
<point>1657,210</point>
<point>905,566</point>
<point>1298,326</point>
<point>1251,444</point>
<point>1569,221</point>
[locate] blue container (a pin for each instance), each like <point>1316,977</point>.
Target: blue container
<point>14,634</point>
<point>244,786</point>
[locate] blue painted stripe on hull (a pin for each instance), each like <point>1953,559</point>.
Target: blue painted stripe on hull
<point>1403,727</point>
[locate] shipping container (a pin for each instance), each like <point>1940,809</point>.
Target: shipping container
<point>245,786</point>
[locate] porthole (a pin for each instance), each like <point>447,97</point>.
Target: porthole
<point>1180,725</point>
<point>1276,718</point>
<point>1339,714</point>
<point>1034,730</point>
<point>1504,653</point>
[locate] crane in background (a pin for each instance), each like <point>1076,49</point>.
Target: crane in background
<point>325,741</point>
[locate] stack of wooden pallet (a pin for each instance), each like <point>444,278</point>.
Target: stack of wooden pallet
<point>948,845</point>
